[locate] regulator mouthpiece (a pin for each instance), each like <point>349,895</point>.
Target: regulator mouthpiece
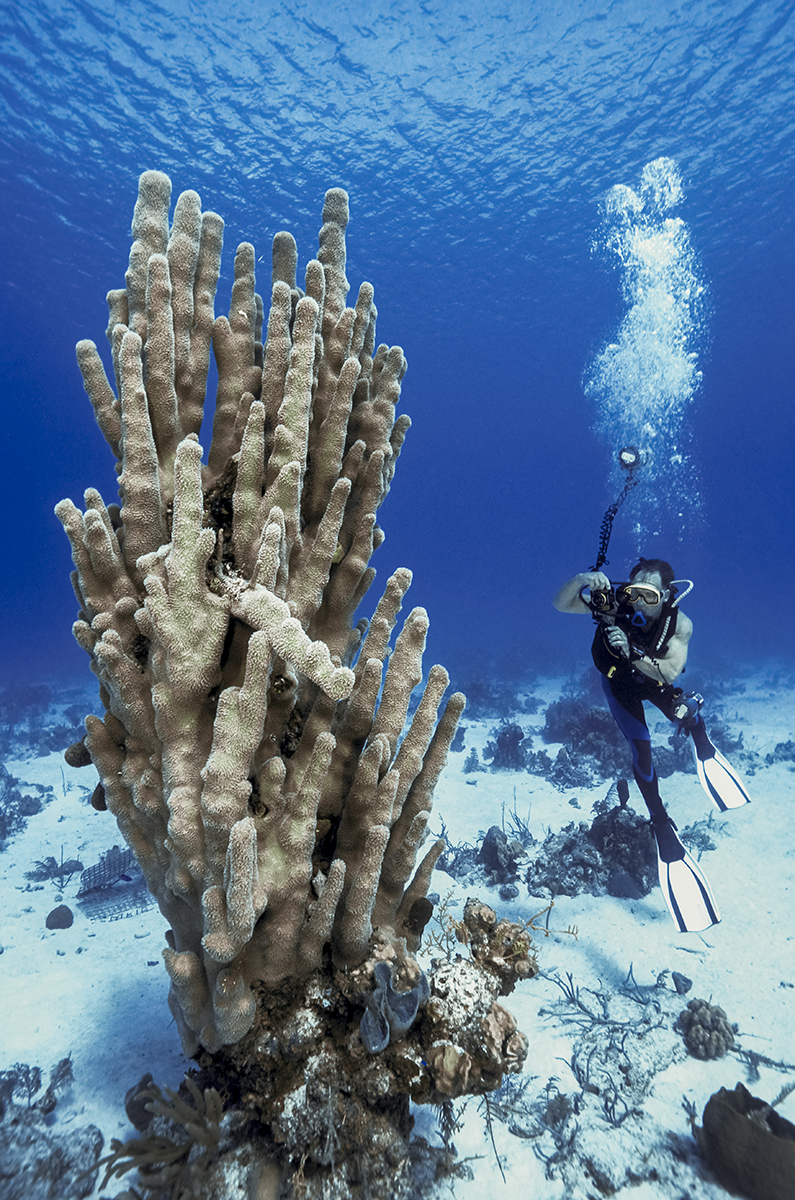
<point>629,457</point>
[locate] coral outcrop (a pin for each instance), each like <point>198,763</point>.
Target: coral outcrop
<point>705,1029</point>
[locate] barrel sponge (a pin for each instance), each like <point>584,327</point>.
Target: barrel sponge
<point>748,1145</point>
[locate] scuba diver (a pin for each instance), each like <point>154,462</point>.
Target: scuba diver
<point>640,649</point>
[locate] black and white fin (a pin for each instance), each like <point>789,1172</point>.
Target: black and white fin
<point>720,780</point>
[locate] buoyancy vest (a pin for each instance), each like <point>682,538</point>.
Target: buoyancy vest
<point>652,639</point>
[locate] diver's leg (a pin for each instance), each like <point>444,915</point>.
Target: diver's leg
<point>698,732</point>
<point>628,714</point>
<point>717,776</point>
<point>686,891</point>
<point>667,702</point>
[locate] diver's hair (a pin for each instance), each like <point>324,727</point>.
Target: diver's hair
<point>663,569</point>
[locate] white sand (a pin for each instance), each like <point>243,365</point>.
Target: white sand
<point>98,990</point>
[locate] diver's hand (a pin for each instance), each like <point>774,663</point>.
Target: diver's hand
<point>618,640</point>
<point>595,581</point>
<point>570,598</point>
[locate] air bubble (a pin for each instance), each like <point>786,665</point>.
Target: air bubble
<point>645,378</point>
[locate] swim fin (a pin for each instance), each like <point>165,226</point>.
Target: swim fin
<point>686,891</point>
<point>717,776</point>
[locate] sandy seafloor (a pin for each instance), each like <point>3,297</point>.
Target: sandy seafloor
<point>97,991</point>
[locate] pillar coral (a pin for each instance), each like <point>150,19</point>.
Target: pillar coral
<point>251,746</point>
<point>255,748</point>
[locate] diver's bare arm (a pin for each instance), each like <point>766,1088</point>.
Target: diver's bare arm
<point>672,663</point>
<point>568,599</point>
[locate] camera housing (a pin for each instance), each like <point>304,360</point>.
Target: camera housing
<point>603,600</point>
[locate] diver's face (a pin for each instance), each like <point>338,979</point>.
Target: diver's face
<point>650,611</point>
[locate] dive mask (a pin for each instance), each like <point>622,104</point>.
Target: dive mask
<point>638,593</point>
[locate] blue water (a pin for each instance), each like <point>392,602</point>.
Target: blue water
<point>479,144</point>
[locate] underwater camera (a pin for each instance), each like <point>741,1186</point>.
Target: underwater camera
<point>604,602</point>
<point>608,603</point>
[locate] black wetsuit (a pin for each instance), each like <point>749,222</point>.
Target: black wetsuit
<point>626,688</point>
